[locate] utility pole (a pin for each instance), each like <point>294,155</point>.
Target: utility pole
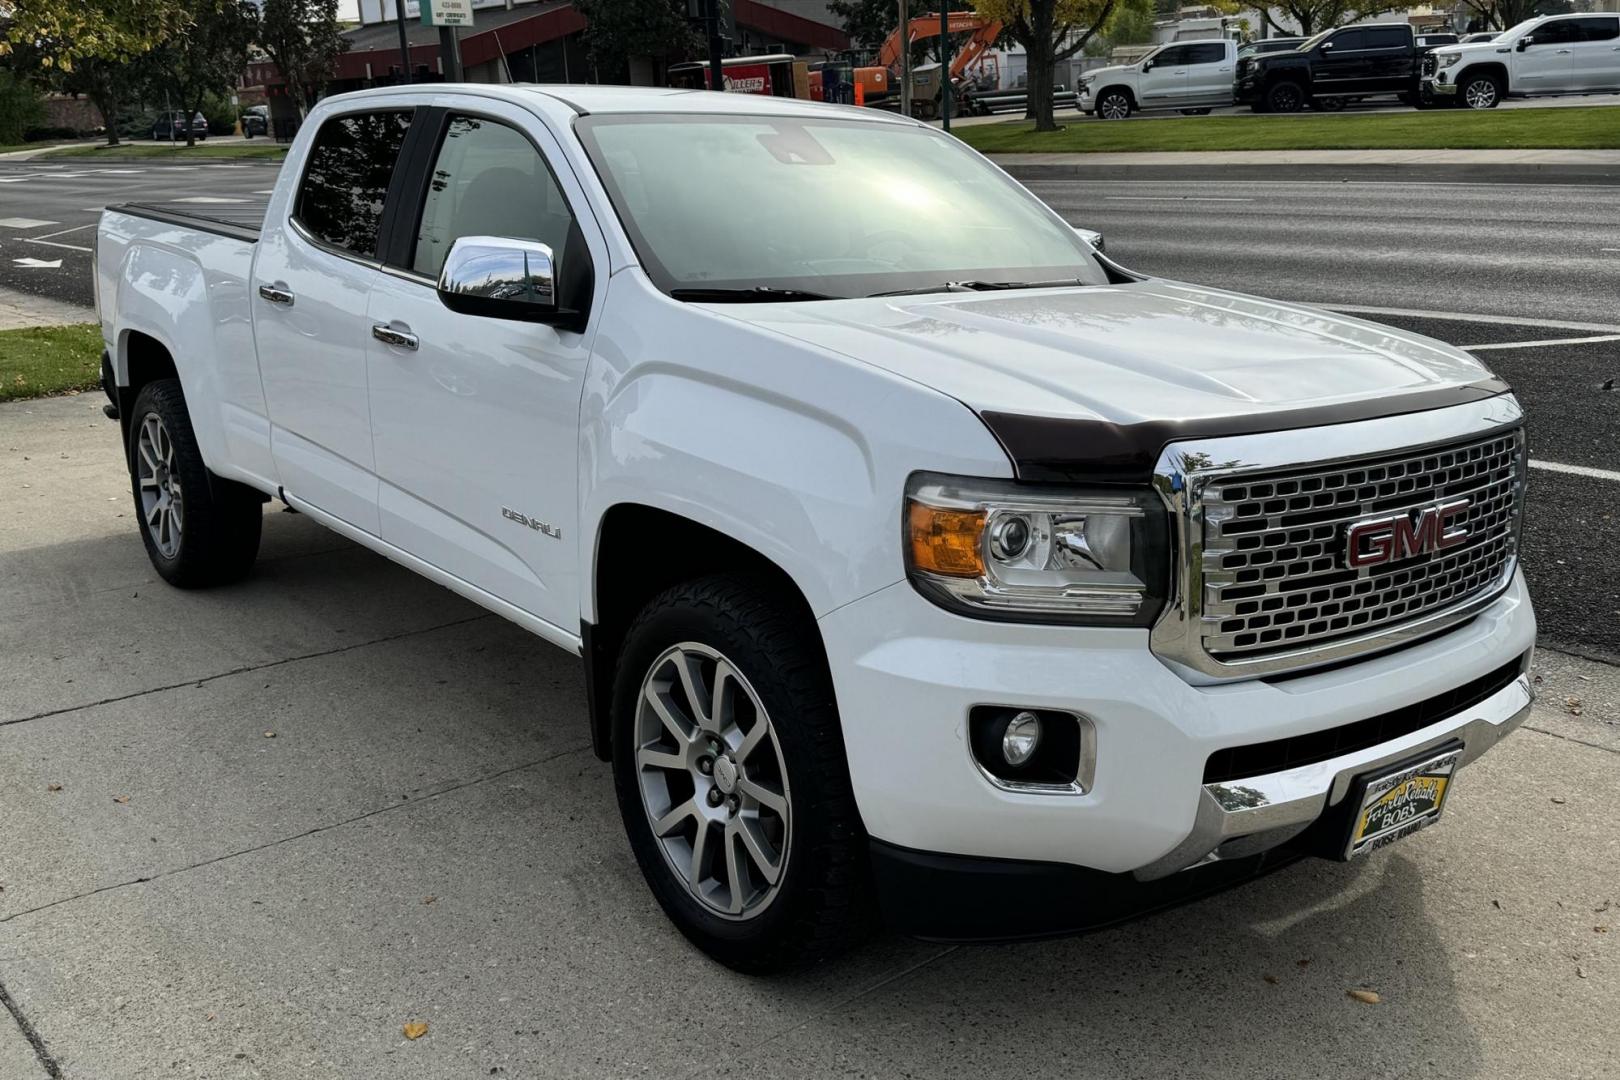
<point>905,59</point>
<point>450,52</point>
<point>717,77</point>
<point>945,64</point>
<point>404,43</point>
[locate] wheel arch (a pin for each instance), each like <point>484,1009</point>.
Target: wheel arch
<point>1124,88</point>
<point>1493,68</point>
<point>641,550</point>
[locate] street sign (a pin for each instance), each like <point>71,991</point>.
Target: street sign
<point>447,13</point>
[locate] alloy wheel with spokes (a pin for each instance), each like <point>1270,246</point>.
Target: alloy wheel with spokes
<point>1114,106</point>
<point>1480,93</point>
<point>158,478</point>
<point>712,780</point>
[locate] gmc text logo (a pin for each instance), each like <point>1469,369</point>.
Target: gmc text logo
<point>1401,536</point>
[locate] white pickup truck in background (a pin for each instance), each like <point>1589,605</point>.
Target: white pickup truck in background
<point>1544,56</point>
<point>1191,76</point>
<point>915,551</point>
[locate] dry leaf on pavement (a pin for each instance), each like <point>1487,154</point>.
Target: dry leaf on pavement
<point>120,798</point>
<point>53,787</point>
<point>1366,997</point>
<point>415,1029</point>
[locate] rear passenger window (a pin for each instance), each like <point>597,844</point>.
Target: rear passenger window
<point>488,180</point>
<point>1391,38</point>
<point>1597,29</point>
<point>350,164</point>
<point>1209,53</point>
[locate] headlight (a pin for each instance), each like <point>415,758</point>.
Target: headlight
<point>996,549</point>
<point>1450,59</point>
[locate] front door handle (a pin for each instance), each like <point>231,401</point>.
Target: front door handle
<point>1563,52</point>
<point>276,294</point>
<point>399,339</point>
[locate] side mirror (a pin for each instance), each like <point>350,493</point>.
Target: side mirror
<point>500,278</point>
<point>1090,236</point>
<point>1147,66</point>
<point>1525,43</point>
<point>1327,45</point>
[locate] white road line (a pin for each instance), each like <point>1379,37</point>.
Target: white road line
<point>1172,198</point>
<point>61,232</point>
<point>1463,316</point>
<point>1575,470</point>
<point>1539,344</point>
<point>54,244</point>
<point>25,223</point>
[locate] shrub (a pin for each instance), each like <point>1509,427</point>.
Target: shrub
<point>20,109</point>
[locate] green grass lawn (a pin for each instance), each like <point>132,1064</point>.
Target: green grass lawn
<point>1442,129</point>
<point>255,149</point>
<point>49,360</point>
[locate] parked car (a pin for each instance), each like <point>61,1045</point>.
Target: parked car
<point>171,126</point>
<point>1266,46</point>
<point>1549,55</point>
<point>1333,67</point>
<point>915,552</point>
<point>1192,76</point>
<point>256,121</point>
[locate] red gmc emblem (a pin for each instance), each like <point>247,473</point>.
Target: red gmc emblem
<point>1401,536</point>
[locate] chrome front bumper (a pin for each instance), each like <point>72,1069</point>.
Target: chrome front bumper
<point>1244,817</point>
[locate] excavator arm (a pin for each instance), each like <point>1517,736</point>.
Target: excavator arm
<point>924,27</point>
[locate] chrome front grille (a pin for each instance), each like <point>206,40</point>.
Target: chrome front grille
<point>1430,64</point>
<point>1275,577</point>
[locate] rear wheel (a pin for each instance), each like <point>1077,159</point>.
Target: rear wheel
<point>1285,97</point>
<point>729,764</point>
<point>1483,91</point>
<point>1114,105</point>
<point>199,529</point>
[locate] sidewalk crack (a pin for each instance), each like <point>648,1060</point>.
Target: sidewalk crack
<point>43,1053</point>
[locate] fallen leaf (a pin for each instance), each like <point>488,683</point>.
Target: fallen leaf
<point>415,1029</point>
<point>210,1016</point>
<point>1304,963</point>
<point>120,799</point>
<point>1600,929</point>
<point>1580,973</point>
<point>1272,979</point>
<point>1601,908</point>
<point>269,734</point>
<point>1497,904</point>
<point>53,787</point>
<point>1366,997</point>
<point>1558,800</point>
<point>429,899</point>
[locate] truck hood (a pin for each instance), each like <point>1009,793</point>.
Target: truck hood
<point>1124,354</point>
<point>1478,48</point>
<point>1111,69</point>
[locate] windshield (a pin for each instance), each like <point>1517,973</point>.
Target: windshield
<point>834,207</point>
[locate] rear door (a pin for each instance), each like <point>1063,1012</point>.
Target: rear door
<point>475,420</point>
<point>312,279</point>
<point>1543,65</point>
<point>1595,53</point>
<point>1390,56</point>
<point>1164,84</point>
<point>1210,73</point>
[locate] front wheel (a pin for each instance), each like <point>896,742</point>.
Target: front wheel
<point>1481,92</point>
<point>199,529</point>
<point>1114,105</point>
<point>1285,97</point>
<point>729,764</point>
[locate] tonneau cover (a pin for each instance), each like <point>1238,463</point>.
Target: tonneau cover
<point>241,218</point>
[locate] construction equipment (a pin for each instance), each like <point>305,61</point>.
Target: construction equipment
<point>880,84</point>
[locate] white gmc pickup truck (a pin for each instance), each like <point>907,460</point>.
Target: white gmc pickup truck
<point>921,558</point>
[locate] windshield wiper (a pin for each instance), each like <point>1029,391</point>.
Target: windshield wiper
<point>983,286</point>
<point>759,294</point>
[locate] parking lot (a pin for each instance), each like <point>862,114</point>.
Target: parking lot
<point>254,831</point>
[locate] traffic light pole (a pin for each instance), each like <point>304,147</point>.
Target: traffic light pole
<point>945,87</point>
<point>450,52</point>
<point>905,59</point>
<point>717,77</point>
<point>404,43</point>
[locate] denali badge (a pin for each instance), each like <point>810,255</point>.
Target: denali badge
<point>534,523</point>
<point>1401,536</point>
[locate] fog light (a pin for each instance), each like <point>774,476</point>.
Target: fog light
<point>1021,738</point>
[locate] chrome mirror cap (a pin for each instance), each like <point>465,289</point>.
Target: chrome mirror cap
<point>499,277</point>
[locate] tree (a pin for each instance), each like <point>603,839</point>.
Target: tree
<point>620,29</point>
<point>63,33</point>
<point>1131,26</point>
<point>1314,16</point>
<point>1501,14</point>
<point>1052,31</point>
<point>207,56</point>
<point>867,22</point>
<point>110,85</point>
<point>303,39</point>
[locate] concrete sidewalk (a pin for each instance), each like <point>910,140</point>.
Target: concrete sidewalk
<point>298,812</point>
<point>19,310</point>
<point>1323,157</point>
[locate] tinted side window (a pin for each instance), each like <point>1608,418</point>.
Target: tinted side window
<point>1385,38</point>
<point>341,198</point>
<point>1208,53</point>
<point>1557,32</point>
<point>1597,29</point>
<point>1349,39</point>
<point>1174,56</point>
<point>488,180</point>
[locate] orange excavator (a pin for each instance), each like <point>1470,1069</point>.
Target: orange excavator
<point>883,82</point>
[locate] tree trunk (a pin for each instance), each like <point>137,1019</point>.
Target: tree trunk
<point>1039,49</point>
<point>1040,95</point>
<point>107,105</point>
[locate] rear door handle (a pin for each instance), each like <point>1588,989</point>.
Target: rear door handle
<point>276,294</point>
<point>399,339</point>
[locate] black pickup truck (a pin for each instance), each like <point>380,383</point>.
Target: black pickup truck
<point>1332,68</point>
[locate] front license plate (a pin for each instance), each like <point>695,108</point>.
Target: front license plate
<point>1399,803</point>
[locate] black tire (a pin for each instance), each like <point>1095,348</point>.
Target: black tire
<point>1482,90</point>
<point>821,904</point>
<point>1285,97</point>
<point>219,520</point>
<point>1113,104</point>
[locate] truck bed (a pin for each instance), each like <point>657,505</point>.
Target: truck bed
<point>238,220</point>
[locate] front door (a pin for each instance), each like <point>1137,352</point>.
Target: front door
<point>1164,84</point>
<point>1595,54</point>
<point>311,283</point>
<point>1543,65</point>
<point>1341,65</point>
<point>476,419</point>
<point>1209,74</point>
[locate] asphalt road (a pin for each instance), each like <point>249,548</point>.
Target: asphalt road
<point>1416,240</point>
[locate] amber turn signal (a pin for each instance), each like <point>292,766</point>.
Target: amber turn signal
<point>945,542</point>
